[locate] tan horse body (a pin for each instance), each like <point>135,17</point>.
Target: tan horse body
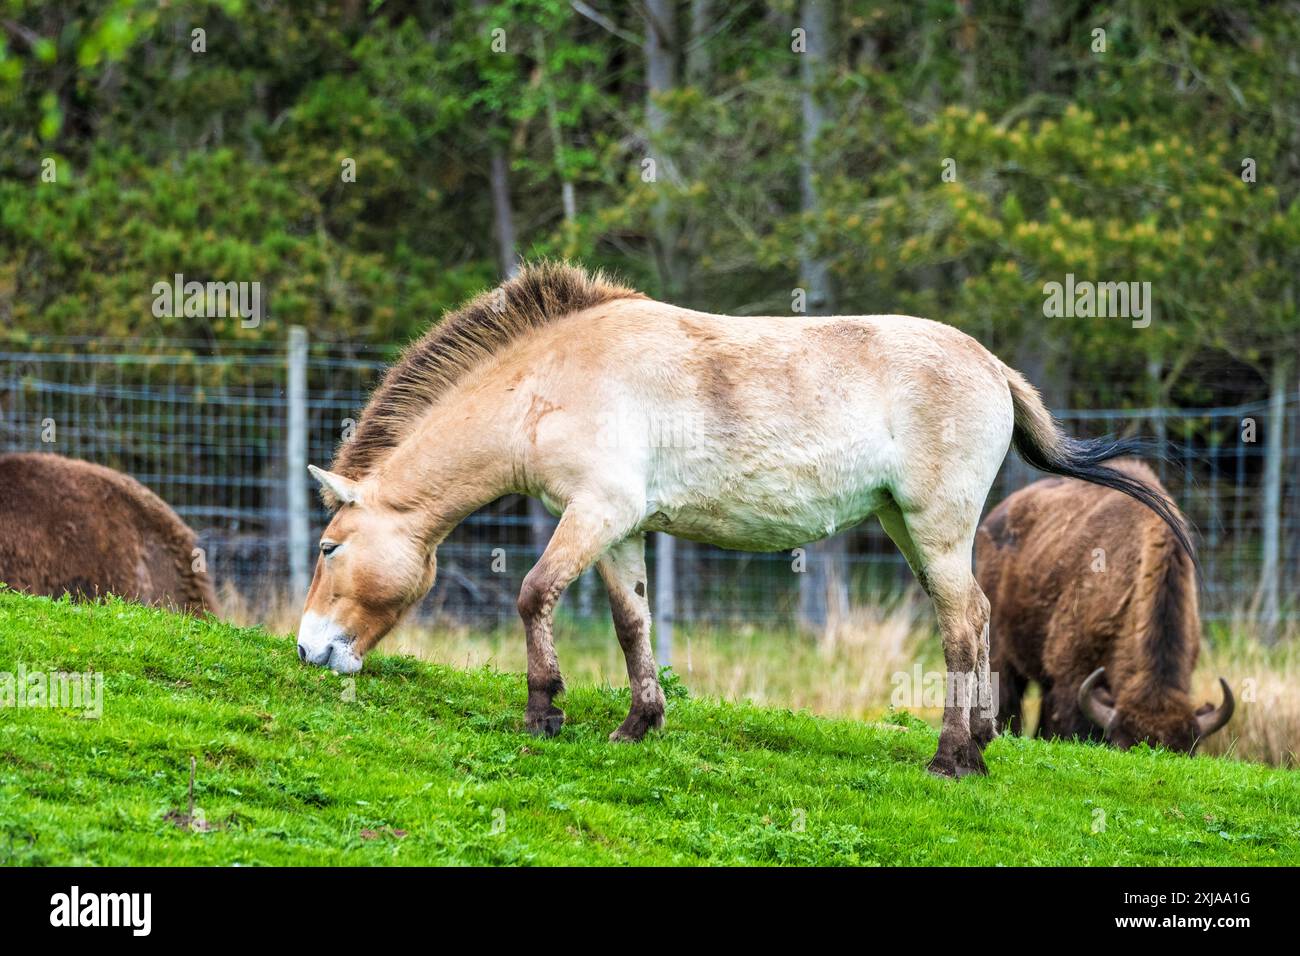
<point>625,415</point>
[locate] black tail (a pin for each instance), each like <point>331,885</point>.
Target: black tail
<point>1041,443</point>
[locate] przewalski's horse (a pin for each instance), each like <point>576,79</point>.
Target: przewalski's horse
<point>1095,599</point>
<point>561,385</point>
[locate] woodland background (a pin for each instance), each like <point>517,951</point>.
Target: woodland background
<point>774,169</point>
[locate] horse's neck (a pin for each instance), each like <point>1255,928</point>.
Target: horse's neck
<point>453,463</point>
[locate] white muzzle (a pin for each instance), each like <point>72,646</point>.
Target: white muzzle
<point>324,643</point>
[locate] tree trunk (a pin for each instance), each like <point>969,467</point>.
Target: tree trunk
<point>812,73</point>
<point>539,519</point>
<point>967,35</point>
<point>1038,14</point>
<point>699,60</point>
<point>661,77</point>
<point>568,196</point>
<point>665,597</point>
<point>503,213</point>
<point>1291,502</point>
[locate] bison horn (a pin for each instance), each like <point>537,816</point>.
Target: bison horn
<point>1208,723</point>
<point>1092,704</point>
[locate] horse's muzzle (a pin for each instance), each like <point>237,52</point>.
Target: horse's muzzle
<point>323,643</point>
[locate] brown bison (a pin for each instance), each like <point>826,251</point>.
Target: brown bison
<point>70,526</point>
<point>1093,598</point>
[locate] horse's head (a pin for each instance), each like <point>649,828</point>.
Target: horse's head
<point>373,565</point>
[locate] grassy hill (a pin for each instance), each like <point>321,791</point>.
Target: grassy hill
<point>411,763</point>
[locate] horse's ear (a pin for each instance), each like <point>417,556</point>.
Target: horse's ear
<point>335,489</point>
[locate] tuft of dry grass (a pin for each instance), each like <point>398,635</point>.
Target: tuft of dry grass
<point>1265,681</point>
<point>272,610</point>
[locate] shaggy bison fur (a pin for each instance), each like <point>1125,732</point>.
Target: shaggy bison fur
<point>72,526</point>
<point>1093,598</point>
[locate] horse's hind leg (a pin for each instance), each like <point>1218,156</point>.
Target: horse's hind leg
<point>963,613</point>
<point>937,543</point>
<point>583,533</point>
<point>984,708</point>
<point>623,570</point>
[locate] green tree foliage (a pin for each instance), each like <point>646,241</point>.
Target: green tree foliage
<point>1121,141</point>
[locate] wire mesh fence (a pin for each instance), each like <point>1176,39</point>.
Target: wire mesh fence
<point>208,430</point>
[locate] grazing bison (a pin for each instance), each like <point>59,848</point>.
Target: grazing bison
<point>68,525</point>
<point>1093,598</point>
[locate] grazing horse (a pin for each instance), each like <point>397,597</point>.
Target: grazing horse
<point>624,415</point>
<point>76,527</point>
<point>1094,598</point>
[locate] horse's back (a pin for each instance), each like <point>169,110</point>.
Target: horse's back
<point>768,365</point>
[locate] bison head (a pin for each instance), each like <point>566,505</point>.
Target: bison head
<point>1125,730</point>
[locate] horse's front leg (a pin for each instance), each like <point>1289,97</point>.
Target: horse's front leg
<point>583,533</point>
<point>623,571</point>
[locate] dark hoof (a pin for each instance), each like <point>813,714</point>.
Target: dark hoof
<point>636,726</point>
<point>546,724</point>
<point>943,767</point>
<point>967,762</point>
<point>970,762</point>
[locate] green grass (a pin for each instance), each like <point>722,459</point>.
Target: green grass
<point>420,764</point>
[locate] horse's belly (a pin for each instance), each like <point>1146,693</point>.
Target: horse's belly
<point>757,522</point>
<point>786,480</point>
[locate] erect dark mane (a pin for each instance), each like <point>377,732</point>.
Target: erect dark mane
<point>541,293</point>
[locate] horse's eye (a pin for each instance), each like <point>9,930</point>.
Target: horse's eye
<point>327,548</point>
